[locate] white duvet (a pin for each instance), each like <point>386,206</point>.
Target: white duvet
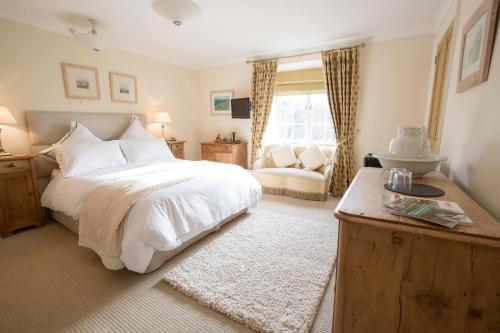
<point>163,220</point>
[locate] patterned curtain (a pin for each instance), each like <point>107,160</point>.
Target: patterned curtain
<point>341,69</point>
<point>263,81</point>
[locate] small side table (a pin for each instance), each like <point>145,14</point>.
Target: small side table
<point>177,148</point>
<point>19,197</point>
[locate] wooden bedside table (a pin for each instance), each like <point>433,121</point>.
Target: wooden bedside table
<point>177,148</point>
<point>19,197</point>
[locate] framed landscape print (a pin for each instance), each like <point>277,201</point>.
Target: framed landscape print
<point>477,43</point>
<point>221,101</point>
<point>80,82</point>
<point>123,87</point>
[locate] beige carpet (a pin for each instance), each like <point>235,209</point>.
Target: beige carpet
<point>49,284</point>
<point>267,271</point>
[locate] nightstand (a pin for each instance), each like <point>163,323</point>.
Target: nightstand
<point>177,148</point>
<point>19,197</point>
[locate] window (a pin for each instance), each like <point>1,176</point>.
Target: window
<point>303,118</point>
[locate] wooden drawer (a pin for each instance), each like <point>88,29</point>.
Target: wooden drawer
<point>14,166</point>
<point>217,148</point>
<point>177,146</point>
<point>178,153</point>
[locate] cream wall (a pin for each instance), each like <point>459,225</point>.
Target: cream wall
<point>470,136</point>
<point>231,77</point>
<point>393,85</point>
<point>30,79</point>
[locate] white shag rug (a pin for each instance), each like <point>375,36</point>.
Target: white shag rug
<point>267,271</point>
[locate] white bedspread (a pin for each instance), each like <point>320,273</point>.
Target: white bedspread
<point>163,220</point>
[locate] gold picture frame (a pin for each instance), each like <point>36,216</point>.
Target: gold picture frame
<point>123,87</point>
<point>80,82</point>
<point>477,43</point>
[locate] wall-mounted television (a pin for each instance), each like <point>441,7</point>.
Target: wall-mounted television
<point>240,108</point>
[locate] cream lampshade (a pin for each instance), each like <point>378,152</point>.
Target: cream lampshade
<point>162,118</point>
<point>5,118</point>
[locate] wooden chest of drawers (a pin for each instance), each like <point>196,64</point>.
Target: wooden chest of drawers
<point>19,198</point>
<point>397,274</point>
<point>177,148</point>
<point>225,153</point>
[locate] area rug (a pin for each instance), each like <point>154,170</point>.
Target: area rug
<point>267,271</point>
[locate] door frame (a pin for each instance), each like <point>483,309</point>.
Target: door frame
<point>437,104</point>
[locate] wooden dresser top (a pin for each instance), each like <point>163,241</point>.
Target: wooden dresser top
<point>16,157</point>
<point>222,143</point>
<point>363,203</point>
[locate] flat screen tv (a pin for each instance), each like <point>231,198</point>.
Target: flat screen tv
<point>240,108</point>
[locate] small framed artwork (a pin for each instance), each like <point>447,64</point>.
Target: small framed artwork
<point>221,101</point>
<point>477,43</point>
<point>80,82</point>
<point>123,87</point>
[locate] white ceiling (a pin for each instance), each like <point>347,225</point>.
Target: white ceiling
<point>230,31</point>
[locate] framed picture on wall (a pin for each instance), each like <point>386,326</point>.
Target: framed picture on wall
<point>80,82</point>
<point>477,43</point>
<point>123,87</point>
<point>220,101</point>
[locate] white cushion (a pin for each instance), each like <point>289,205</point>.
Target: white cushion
<point>328,151</point>
<point>77,134</point>
<point>135,131</point>
<point>142,150</point>
<point>75,160</point>
<point>312,158</point>
<point>283,156</point>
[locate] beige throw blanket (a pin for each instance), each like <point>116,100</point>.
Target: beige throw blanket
<point>103,212</point>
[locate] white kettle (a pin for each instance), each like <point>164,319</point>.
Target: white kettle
<point>411,142</point>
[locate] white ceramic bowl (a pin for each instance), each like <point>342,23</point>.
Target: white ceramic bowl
<point>418,166</point>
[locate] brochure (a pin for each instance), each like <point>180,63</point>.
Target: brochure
<point>444,213</point>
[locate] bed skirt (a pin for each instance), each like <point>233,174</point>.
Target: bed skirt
<point>159,257</point>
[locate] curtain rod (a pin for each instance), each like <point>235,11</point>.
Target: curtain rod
<point>362,45</point>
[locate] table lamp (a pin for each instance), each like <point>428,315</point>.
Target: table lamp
<point>5,118</point>
<point>162,118</point>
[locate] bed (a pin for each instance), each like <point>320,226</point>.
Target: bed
<point>204,196</point>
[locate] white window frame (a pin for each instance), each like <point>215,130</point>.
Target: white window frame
<point>308,124</point>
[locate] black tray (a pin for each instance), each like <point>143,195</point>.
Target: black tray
<point>420,190</point>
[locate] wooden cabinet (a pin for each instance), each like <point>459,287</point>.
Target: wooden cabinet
<point>19,197</point>
<point>225,153</point>
<point>177,148</point>
<point>397,274</point>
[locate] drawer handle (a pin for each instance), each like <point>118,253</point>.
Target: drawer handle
<point>12,165</point>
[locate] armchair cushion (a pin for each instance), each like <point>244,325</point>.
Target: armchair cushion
<point>261,163</point>
<point>292,179</point>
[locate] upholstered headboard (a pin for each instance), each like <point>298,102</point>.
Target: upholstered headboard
<point>47,127</point>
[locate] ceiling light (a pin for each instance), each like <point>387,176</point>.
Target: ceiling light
<point>92,38</point>
<point>176,11</point>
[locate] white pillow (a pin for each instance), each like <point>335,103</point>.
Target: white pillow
<point>75,160</point>
<point>135,131</point>
<point>77,134</point>
<point>283,156</point>
<point>142,150</point>
<point>312,158</point>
